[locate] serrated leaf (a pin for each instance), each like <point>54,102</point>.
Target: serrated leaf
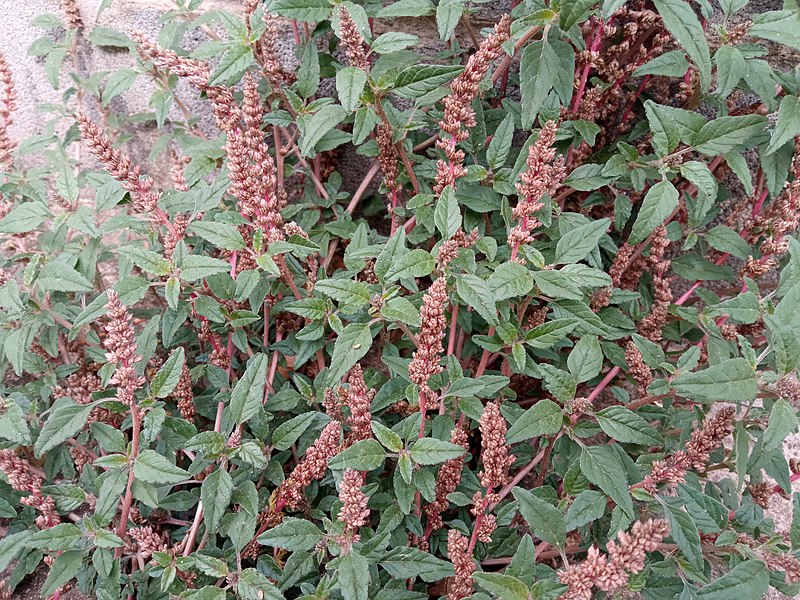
<point>782,422</point>
<point>215,493</point>
<point>61,277</point>
<point>588,506</point>
<point>351,345</point>
<point>543,418</point>
<point>417,263</point>
<point>66,419</point>
<point>430,451</point>
<point>447,214</point>
<point>404,562</point>
<point>574,245</point>
<point>684,531</point>
<point>477,293</point>
<point>232,65</point>
<point>301,10</point>
<point>23,218</point>
<point>151,467</point>
<point>586,359</point>
<point>544,519</point>
<point>545,335</point>
<point>350,83</point>
<point>724,134</point>
<point>682,23</point>
<point>500,146</point>
<point>194,267</point>
<point>788,125</point>
<point>748,579</point>
<point>400,309</point>
<point>669,64</point>
<point>220,234</point>
<point>325,119</point>
<point>448,14</point>
<point>248,394</point>
<point>571,12</point>
<point>538,66</point>
<point>510,280</point>
<point>732,380</point>
<point>13,426</point>
<point>418,80</point>
<point>602,466</point>
<point>658,204</point>
<point>344,290</point>
<point>626,426</point>
<point>292,534</point>
<point>168,375</point>
<point>779,26</point>
<point>365,455</point>
<point>501,585</point>
<point>288,432</point>
<point>393,41</point>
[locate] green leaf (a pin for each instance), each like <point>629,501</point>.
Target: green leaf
<point>418,80</point>
<point>13,426</point>
<point>118,83</point>
<point>682,23</point>
<point>407,8</point>
<point>543,418</point>
<point>350,83</point>
<point>215,493</point>
<point>301,10</point>
<point>571,12</point>
<point>248,394</point>
<point>788,125</point>
<point>658,204</point>
<point>351,345</point>
<point>500,146</point>
<point>602,466</point>
<point>417,263</point>
<point>586,359</point>
<point>65,567</point>
<point>112,38</point>
<point>393,41</point>
<point>66,419</point>
<point>151,467</point>
<point>576,243</point>
<point>252,585</point>
<point>588,506</point>
<point>147,260</point>
<point>404,562</point>
<point>782,26</point>
<point>61,277</point>
<point>344,290</point>
<point>400,309</point>
<point>544,519</point>
<point>732,380</point>
<point>727,240</point>
<point>556,284</point>
<point>448,14</point>
<point>731,67</point>
<point>387,437</point>
<point>365,455</point>
<point>288,432</point>
<point>501,585</point>
<point>782,422</point>
<point>232,65</point>
<point>220,234</point>
<point>510,280</point>
<point>194,267</point>
<point>208,565</point>
<point>63,536</point>
<point>325,119</point>
<point>538,66</point>
<point>626,426</point>
<point>724,134</point>
<point>352,573</point>
<point>23,218</point>
<point>477,293</point>
<point>684,531</point>
<point>430,451</point>
<point>168,375</point>
<point>292,534</point>
<point>669,64</point>
<point>663,127</point>
<point>447,215</point>
<point>748,579</point>
<point>545,335</point>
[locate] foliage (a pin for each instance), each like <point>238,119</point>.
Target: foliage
<point>550,352</point>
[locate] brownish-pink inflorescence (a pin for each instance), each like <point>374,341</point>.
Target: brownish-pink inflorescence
<point>609,572</point>
<point>312,466</point>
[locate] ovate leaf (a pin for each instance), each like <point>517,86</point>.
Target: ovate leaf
<point>658,204</point>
